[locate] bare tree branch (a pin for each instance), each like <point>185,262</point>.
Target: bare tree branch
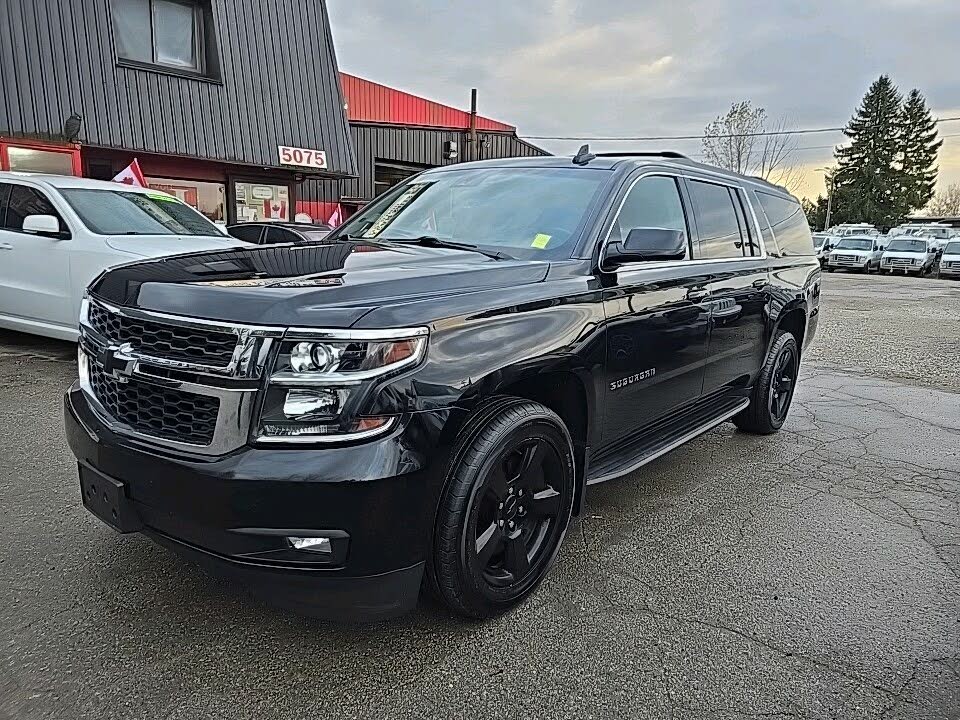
<point>945,203</point>
<point>731,141</point>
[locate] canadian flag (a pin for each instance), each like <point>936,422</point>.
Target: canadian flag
<point>131,175</point>
<point>336,218</point>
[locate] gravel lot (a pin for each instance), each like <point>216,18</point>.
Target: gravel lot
<point>814,574</point>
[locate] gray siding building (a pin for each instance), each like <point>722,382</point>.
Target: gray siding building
<point>227,103</point>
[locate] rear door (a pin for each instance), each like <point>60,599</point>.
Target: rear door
<point>657,317</point>
<point>731,255</point>
<point>35,283</point>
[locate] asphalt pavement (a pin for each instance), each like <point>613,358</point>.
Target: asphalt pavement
<point>812,574</point>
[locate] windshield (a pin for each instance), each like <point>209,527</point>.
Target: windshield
<point>855,244</point>
<point>818,240</point>
<point>526,212</point>
<point>117,212</point>
<point>904,245</point>
<point>952,248</point>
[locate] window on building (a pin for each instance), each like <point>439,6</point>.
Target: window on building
<point>718,221</point>
<point>258,201</point>
<point>24,201</point>
<point>39,158</point>
<point>209,198</point>
<point>790,227</point>
<point>652,202</point>
<point>169,33</point>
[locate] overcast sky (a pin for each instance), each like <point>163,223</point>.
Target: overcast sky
<point>619,67</point>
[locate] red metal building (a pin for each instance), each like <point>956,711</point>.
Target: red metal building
<point>396,134</point>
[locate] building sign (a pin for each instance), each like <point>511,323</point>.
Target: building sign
<point>302,157</point>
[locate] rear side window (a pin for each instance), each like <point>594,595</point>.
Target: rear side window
<point>247,233</point>
<point>718,221</point>
<point>789,224</point>
<point>276,236</point>
<point>23,201</point>
<point>4,198</point>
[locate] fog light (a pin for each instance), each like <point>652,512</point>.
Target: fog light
<point>313,403</point>
<point>314,544</point>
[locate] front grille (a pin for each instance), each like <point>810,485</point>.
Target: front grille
<point>160,340</point>
<point>900,261</point>
<point>157,411</point>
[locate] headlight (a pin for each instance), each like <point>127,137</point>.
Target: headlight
<point>321,378</point>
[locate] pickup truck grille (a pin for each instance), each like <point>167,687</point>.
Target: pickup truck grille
<point>163,340</point>
<point>157,411</point>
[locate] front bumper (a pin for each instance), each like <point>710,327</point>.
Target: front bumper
<point>952,270</point>
<point>233,513</point>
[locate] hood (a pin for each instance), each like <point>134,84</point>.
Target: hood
<point>844,251</point>
<point>313,285</point>
<point>149,246</point>
<point>913,254</point>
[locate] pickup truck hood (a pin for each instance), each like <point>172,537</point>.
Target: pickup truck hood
<point>149,246</point>
<point>313,285</point>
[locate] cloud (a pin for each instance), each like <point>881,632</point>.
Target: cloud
<point>660,67</point>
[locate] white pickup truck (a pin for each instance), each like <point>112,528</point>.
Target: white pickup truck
<point>58,233</point>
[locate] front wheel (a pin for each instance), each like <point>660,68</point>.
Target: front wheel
<point>505,508</point>
<point>773,390</point>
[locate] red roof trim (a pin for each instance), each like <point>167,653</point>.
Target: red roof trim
<point>371,102</point>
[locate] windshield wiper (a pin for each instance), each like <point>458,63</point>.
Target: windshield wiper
<point>431,241</point>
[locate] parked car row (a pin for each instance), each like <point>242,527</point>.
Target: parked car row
<point>918,249</point>
<point>58,233</point>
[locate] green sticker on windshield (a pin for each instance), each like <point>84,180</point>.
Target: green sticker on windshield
<point>540,241</point>
<point>162,197</point>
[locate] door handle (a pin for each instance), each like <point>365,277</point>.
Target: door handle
<point>6,246</point>
<point>697,295</point>
<point>760,284</point>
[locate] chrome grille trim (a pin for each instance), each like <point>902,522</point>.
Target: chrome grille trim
<point>234,385</point>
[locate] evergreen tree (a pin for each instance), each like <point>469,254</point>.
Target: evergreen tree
<point>870,183</point>
<point>919,153</point>
<point>816,212</point>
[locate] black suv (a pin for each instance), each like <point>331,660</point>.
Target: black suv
<point>427,395</point>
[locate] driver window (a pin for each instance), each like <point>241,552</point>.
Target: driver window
<point>652,202</point>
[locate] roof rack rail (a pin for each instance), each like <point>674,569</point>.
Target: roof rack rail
<point>660,153</point>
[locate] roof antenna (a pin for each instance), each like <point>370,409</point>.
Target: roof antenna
<point>583,156</point>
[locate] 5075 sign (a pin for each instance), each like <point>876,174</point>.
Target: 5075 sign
<point>302,157</point>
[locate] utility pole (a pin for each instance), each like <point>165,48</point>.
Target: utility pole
<point>826,222</point>
<point>474,153</point>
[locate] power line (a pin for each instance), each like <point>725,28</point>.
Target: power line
<point>654,138</point>
<point>831,147</point>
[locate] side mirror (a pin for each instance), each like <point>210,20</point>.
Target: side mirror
<point>647,244</point>
<point>46,225</point>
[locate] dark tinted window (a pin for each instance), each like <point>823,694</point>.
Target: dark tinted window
<point>717,221</point>
<point>160,32</point>
<point>276,236</point>
<point>247,233</point>
<point>652,202</point>
<point>24,201</point>
<point>789,224</point>
<point>4,196</point>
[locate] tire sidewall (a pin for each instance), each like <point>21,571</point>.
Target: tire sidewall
<point>784,343</point>
<point>537,421</point>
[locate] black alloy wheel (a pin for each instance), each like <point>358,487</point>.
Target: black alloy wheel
<point>783,380</point>
<point>505,509</point>
<point>773,388</point>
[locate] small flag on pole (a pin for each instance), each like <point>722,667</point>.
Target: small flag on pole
<point>131,175</point>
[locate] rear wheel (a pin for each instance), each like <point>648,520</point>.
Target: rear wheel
<point>505,509</point>
<point>773,390</point>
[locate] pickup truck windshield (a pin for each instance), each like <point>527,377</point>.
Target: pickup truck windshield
<point>903,245</point>
<point>854,244</point>
<point>116,212</point>
<point>530,213</point>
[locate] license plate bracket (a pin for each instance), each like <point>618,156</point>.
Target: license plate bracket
<point>107,499</point>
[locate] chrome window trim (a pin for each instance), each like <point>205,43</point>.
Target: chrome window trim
<point>680,175</point>
<point>317,334</point>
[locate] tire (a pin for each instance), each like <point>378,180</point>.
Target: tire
<point>504,510</point>
<point>774,388</point>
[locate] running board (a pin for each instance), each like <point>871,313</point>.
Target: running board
<point>648,449</point>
